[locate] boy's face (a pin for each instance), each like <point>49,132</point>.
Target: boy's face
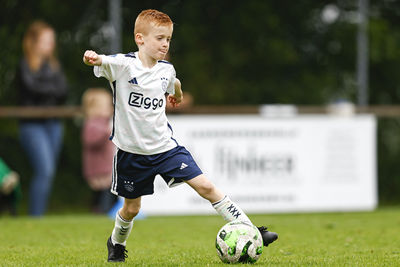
<point>156,42</point>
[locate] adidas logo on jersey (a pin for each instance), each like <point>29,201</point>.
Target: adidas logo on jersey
<point>183,166</point>
<point>133,81</point>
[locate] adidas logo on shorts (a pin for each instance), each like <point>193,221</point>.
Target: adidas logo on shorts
<point>183,166</point>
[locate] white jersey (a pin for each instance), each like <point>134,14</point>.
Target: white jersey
<point>140,125</point>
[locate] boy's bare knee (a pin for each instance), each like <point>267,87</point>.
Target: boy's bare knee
<point>206,188</point>
<point>130,210</point>
<point>133,210</point>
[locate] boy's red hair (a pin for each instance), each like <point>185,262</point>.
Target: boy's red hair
<point>150,17</point>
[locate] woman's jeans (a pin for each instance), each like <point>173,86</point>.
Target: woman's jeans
<point>41,141</point>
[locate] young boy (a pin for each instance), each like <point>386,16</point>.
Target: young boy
<point>140,82</point>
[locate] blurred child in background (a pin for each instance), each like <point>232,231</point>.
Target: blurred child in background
<point>98,150</point>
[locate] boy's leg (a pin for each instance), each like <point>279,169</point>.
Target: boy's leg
<point>222,204</point>
<point>124,220</point>
<point>180,166</point>
<point>123,226</point>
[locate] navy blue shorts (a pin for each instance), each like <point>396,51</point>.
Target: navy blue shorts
<point>133,174</point>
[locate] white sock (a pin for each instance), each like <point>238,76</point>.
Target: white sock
<point>229,210</point>
<point>121,231</point>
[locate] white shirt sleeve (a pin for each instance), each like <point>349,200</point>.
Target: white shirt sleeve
<point>111,67</point>
<point>171,84</point>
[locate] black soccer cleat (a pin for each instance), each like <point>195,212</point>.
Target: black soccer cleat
<point>268,237</point>
<point>117,252</point>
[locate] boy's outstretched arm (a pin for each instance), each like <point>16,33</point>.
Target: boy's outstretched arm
<point>177,98</point>
<point>91,58</point>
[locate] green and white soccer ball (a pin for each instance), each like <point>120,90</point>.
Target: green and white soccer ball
<point>239,242</point>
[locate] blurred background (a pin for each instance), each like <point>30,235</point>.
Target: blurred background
<point>229,55</point>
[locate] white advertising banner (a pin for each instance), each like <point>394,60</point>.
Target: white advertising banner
<point>303,163</point>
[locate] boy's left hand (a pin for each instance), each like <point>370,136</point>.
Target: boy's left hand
<point>175,100</point>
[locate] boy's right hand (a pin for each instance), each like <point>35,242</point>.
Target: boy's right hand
<point>91,58</point>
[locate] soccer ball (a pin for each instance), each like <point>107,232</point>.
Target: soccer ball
<point>239,241</point>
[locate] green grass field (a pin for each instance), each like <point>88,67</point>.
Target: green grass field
<point>332,239</point>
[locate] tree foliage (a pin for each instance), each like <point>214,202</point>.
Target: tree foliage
<point>227,52</point>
